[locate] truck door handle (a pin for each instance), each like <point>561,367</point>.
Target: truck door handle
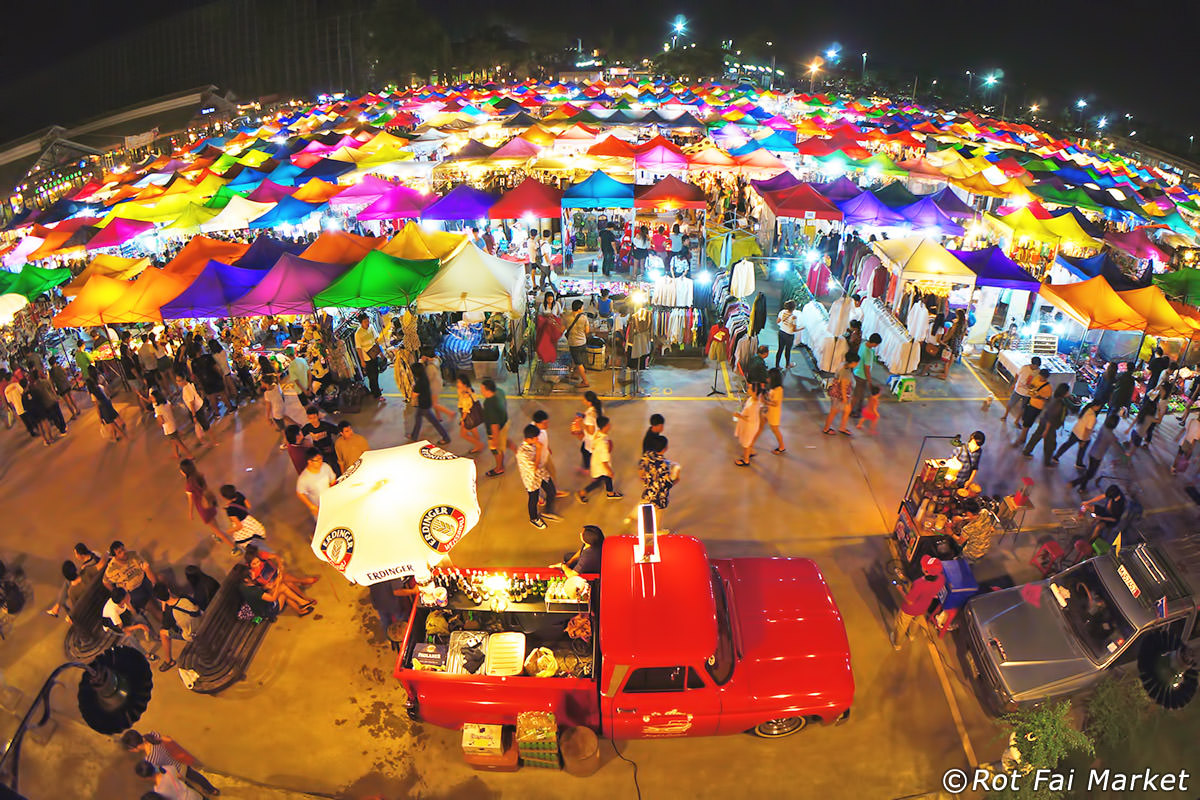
<point>626,710</point>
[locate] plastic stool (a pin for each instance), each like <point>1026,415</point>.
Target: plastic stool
<point>580,748</point>
<point>903,387</point>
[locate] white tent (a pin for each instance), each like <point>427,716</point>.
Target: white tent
<point>918,258</point>
<point>236,215</point>
<point>472,280</point>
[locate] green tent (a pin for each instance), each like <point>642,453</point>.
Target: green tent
<point>379,280</point>
<point>1069,197</point>
<point>6,280</point>
<point>224,195</point>
<point>32,281</point>
<point>1183,284</point>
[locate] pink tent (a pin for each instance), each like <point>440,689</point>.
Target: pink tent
<point>368,190</point>
<point>1136,243</point>
<point>660,157</point>
<point>270,192</point>
<point>118,232</point>
<point>400,202</point>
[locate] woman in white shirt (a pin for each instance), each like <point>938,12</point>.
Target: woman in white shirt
<point>787,333</point>
<point>640,249</point>
<point>1081,434</point>
<point>749,421</point>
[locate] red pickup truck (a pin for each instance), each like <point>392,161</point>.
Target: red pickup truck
<point>687,646</point>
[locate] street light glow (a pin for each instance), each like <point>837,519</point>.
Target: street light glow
<point>1034,108</point>
<point>1102,123</point>
<point>814,66</point>
<point>1081,103</point>
<point>831,53</point>
<point>680,25</point>
<point>990,80</point>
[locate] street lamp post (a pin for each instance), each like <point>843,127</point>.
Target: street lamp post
<point>812,75</point>
<point>864,70</point>
<point>970,75</point>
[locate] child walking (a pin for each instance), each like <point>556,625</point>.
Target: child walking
<point>871,411</point>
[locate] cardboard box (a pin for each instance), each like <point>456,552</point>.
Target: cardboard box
<point>430,657</point>
<point>482,740</point>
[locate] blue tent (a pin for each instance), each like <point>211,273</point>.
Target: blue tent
<point>1103,265</point>
<point>247,180</point>
<point>265,251</point>
<point>598,190</point>
<point>327,169</point>
<point>288,211</point>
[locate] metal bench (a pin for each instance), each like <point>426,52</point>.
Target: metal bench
<point>87,637</point>
<point>224,645</point>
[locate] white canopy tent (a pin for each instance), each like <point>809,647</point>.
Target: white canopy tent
<point>472,280</point>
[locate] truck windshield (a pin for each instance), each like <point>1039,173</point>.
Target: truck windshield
<point>720,664</point>
<point>1090,612</point>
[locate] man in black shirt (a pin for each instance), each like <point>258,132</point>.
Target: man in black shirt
<point>654,432</point>
<point>323,435</point>
<point>587,559</point>
<point>608,249</point>
<point>424,394</point>
<point>1158,365</point>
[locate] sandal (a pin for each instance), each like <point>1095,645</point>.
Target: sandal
<point>581,497</point>
<point>741,463</point>
<point>845,432</point>
<point>166,666</point>
<point>491,473</point>
<point>779,451</point>
<point>829,432</point>
<point>305,611</point>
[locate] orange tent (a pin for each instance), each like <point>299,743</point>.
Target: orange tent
<point>612,147</point>
<point>142,299</point>
<point>317,191</point>
<point>189,261</point>
<point>93,300</point>
<point>1163,320</point>
<point>340,247</point>
<point>115,267</point>
<point>1094,304</point>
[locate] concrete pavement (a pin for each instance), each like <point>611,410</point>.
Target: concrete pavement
<point>319,711</point>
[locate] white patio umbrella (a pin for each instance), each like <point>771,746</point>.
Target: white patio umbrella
<point>396,512</point>
<point>10,304</point>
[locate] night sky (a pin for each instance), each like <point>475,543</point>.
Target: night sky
<point>1129,57</point>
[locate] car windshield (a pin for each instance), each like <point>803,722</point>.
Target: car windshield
<point>1090,612</point>
<point>720,664</point>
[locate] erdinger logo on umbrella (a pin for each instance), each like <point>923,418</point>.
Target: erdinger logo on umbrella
<point>435,453</point>
<point>350,470</point>
<point>338,547</point>
<point>442,527</point>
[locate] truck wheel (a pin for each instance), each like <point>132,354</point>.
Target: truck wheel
<point>779,728</point>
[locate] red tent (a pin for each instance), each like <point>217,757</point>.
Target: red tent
<point>801,202</point>
<point>657,141</point>
<point>530,197</point>
<point>612,147</point>
<point>670,193</point>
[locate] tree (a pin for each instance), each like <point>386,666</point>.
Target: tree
<point>1044,736</point>
<point>404,42</point>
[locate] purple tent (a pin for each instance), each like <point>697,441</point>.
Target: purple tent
<point>265,251</point>
<point>287,288</point>
<point>399,202</point>
<point>926,214</point>
<point>463,202</point>
<point>866,209</point>
<point>838,190</point>
<point>118,232</point>
<point>270,192</point>
<point>993,268</point>
<point>784,180</point>
<point>951,205</point>
<point>370,189</point>
<point>214,289</point>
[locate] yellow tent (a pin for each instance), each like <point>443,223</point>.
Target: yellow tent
<point>94,297</point>
<point>191,220</point>
<point>1093,304</point>
<point>115,267</point>
<point>1022,223</point>
<point>1162,319</point>
<point>414,244</point>
<point>1067,229</point>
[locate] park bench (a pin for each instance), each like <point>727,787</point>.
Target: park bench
<point>87,637</point>
<point>224,645</point>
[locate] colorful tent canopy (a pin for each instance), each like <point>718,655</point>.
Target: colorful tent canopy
<point>1066,227</point>
<point>951,205</point>
<point>530,197</point>
<point>340,247</point>
<point>993,268</point>
<point>210,294</point>
<point>1184,284</point>
<point>87,309</point>
<point>463,202</point>
<point>236,216</point>
<point>398,202</point>
<point>288,211</point>
<point>379,280</point>
<point>366,191</point>
<point>115,267</point>
<point>1161,318</point>
<point>801,202</point>
<point>838,190</point>
<point>599,191</point>
<point>1093,304</point>
<point>263,252</point>
<point>915,257</point>
<point>865,209</point>
<point>1137,244</point>
<point>199,250</point>
<point>142,300</point>
<point>31,281</point>
<point>472,280</point>
<point>1103,265</point>
<point>926,215</point>
<point>670,193</point>
<point>118,232</point>
<point>288,288</point>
